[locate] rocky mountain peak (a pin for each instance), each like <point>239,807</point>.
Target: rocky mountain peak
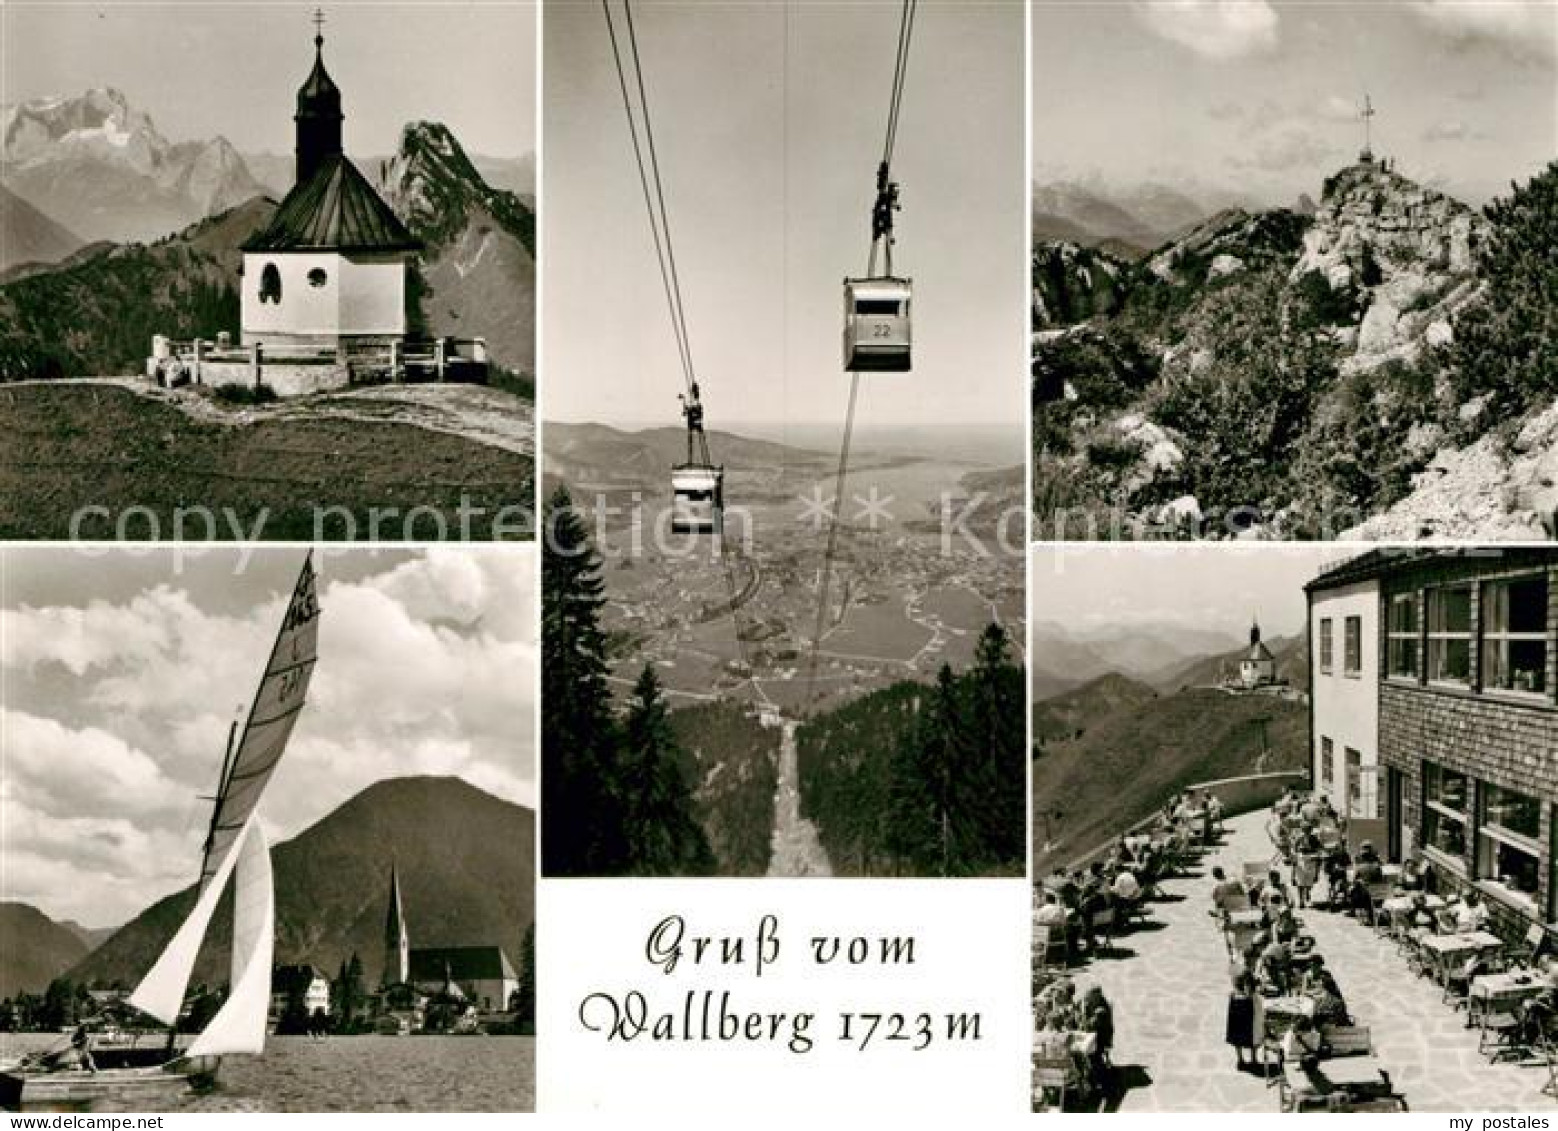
<point>98,122</point>
<point>433,187</point>
<point>1402,252</point>
<point>96,164</point>
<point>1368,208</point>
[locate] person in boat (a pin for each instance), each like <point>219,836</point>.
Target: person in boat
<point>74,1057</point>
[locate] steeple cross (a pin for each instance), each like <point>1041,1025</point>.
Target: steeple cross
<point>319,25</point>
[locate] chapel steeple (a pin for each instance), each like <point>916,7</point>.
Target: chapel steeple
<point>318,114</point>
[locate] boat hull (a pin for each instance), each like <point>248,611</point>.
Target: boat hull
<point>144,1088</point>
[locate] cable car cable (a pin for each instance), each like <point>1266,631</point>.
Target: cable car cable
<point>656,221</point>
<point>665,254</point>
<point>881,236</point>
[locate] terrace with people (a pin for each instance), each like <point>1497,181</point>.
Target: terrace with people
<point>1362,990</point>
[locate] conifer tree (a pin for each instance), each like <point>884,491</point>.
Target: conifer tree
<point>998,779</point>
<point>523,1002</point>
<point>661,830</point>
<point>580,795</point>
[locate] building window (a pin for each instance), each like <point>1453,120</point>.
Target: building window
<point>1327,763</point>
<point>1514,634</point>
<point>1508,845</point>
<point>1449,634</point>
<point>1446,813</point>
<point>270,284</point>
<point>1325,645</point>
<point>317,277</point>
<point>1353,644</point>
<point>1402,636</point>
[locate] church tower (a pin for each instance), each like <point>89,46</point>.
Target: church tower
<point>397,944</point>
<point>326,279</point>
<point>1258,667</point>
<point>318,115</point>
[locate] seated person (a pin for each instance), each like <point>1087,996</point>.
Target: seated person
<point>1330,1009</point>
<point>74,1057</point>
<point>1420,917</point>
<point>1050,913</point>
<point>1053,1042</point>
<point>1272,890</point>
<point>1275,966</point>
<point>1225,891</point>
<point>1126,890</point>
<point>1539,1014</point>
<point>1336,866</point>
<point>1284,924</point>
<point>1472,914</point>
<point>1411,876</point>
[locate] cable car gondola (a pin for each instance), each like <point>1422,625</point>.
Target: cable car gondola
<point>697,498</point>
<point>877,329</point>
<point>698,484</point>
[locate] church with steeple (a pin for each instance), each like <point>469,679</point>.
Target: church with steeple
<point>329,272</point>
<point>1257,666</point>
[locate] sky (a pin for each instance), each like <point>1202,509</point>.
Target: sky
<point>120,675</point>
<point>769,121</point>
<point>1261,98</point>
<point>1215,587</point>
<point>203,69</point>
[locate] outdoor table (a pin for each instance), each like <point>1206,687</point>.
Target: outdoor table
<point>1291,1006</point>
<point>1250,918</point>
<point>1402,904</point>
<point>1082,1042</point>
<point>1444,950</point>
<point>1507,988</point>
<point>1354,1075</point>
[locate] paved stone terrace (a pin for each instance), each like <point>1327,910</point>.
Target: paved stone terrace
<point>1169,984</point>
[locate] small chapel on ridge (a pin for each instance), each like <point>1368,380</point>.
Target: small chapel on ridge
<point>325,282</point>
<point>330,269</point>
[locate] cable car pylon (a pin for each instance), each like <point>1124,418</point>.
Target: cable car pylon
<point>878,333</point>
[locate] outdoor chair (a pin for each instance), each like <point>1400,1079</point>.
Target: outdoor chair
<point>1052,1075</point>
<point>1379,892</point>
<point>1049,948</point>
<point>1502,1026</point>
<point>1530,948</point>
<point>1349,1040</point>
<point>1104,927</point>
<point>1371,1104</point>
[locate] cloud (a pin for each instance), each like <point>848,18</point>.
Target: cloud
<point>117,713</point>
<point>1215,29</point>
<point>1286,149</point>
<point>1520,30</point>
<point>1335,108</point>
<point>1452,130</point>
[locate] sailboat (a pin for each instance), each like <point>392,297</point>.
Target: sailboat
<point>236,850</point>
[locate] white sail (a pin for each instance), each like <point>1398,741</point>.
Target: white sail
<point>235,841</point>
<point>239,1026</point>
<point>282,690</point>
<point>161,992</point>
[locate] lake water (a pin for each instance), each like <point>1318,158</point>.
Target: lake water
<point>360,1074</point>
